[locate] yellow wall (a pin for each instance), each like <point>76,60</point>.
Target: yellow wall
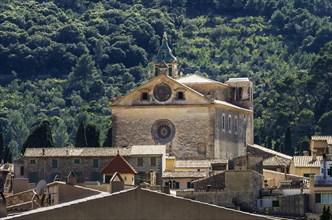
<point>170,163</point>
<point>302,170</point>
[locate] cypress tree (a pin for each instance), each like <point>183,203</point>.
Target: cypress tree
<point>2,150</point>
<point>108,140</point>
<point>288,142</point>
<point>41,137</point>
<point>81,136</point>
<point>92,136</point>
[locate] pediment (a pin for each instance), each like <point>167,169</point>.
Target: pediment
<point>162,90</point>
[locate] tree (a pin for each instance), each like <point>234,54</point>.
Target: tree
<point>41,137</point>
<point>108,140</point>
<point>60,134</point>
<point>81,136</point>
<point>92,136</point>
<point>288,147</point>
<point>325,123</point>
<point>1,146</point>
<point>326,215</point>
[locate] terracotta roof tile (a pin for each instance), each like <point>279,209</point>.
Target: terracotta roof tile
<point>276,161</point>
<point>76,152</point>
<point>322,138</point>
<point>185,174</point>
<point>118,164</point>
<point>306,161</point>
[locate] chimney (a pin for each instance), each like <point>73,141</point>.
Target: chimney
<point>314,154</point>
<point>305,153</point>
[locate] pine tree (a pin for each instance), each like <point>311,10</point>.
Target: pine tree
<point>81,136</point>
<point>41,137</point>
<point>108,140</point>
<point>92,136</point>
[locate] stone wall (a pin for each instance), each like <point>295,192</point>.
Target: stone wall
<point>18,198</point>
<point>249,162</point>
<point>193,128</point>
<point>230,143</point>
<point>242,188</point>
<point>215,182</point>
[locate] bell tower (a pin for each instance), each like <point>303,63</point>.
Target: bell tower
<point>165,62</point>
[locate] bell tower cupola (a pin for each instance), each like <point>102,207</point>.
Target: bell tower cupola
<point>165,62</point>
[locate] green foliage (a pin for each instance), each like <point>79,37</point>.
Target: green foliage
<point>40,137</point>
<point>326,215</point>
<point>92,136</point>
<point>81,140</point>
<point>109,139</point>
<point>66,59</point>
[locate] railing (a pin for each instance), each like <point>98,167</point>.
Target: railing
<point>320,181</point>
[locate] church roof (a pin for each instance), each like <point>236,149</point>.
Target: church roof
<point>196,79</point>
<point>270,151</point>
<point>118,164</point>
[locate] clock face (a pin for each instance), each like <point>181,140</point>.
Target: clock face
<point>162,92</point>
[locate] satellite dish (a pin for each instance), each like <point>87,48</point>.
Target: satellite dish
<point>40,188</point>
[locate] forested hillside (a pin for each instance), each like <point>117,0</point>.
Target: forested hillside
<point>65,60</point>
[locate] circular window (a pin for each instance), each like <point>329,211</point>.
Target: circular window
<point>162,92</point>
<point>163,131</point>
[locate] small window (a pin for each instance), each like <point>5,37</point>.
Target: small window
<point>54,163</point>
<point>32,161</point>
<point>223,122</point>
<point>140,161</point>
<point>180,96</point>
<point>145,96</point>
<point>318,198</point>
<point>153,161</point>
<point>235,124</point>
<point>170,71</point>
<point>77,161</point>
<point>95,163</point>
<point>229,123</point>
<point>22,170</point>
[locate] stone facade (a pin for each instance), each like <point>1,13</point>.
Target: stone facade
<point>197,118</point>
<point>86,167</point>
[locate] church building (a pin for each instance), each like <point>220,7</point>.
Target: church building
<point>195,117</point>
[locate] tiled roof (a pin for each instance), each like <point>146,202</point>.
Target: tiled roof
<point>267,150</point>
<point>148,150</point>
<point>276,161</point>
<point>245,79</point>
<point>196,79</point>
<point>322,138</point>
<point>185,174</point>
<point>197,163</point>
<point>76,152</point>
<point>229,105</point>
<point>306,161</point>
<point>118,164</point>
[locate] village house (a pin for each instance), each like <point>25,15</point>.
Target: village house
<point>87,163</point>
